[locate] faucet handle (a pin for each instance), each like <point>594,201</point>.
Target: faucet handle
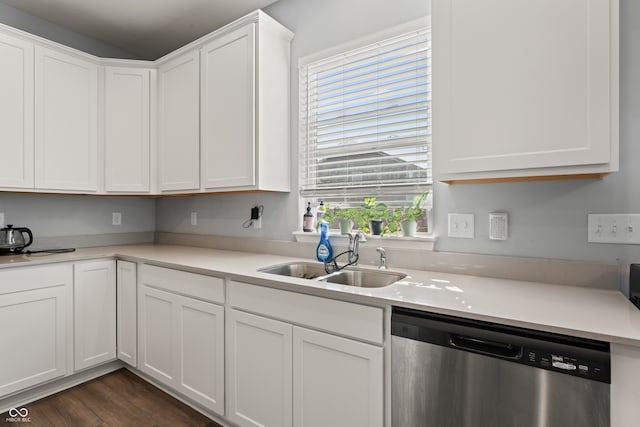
<point>361,236</point>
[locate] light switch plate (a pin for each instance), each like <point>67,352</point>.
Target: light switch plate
<point>461,225</point>
<point>1,219</point>
<point>613,228</point>
<point>194,218</point>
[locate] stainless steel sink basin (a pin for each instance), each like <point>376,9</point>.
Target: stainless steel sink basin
<point>365,278</point>
<point>350,277</point>
<point>303,270</point>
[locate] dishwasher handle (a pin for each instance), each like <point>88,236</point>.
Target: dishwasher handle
<point>490,348</point>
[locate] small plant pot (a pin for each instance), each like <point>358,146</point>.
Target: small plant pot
<point>345,225</point>
<point>409,228</point>
<point>376,227</point>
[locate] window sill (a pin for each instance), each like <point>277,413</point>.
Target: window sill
<point>421,241</point>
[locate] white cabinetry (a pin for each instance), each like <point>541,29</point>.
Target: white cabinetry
<point>35,314</point>
<point>329,371</point>
<point>126,129</point>
<point>178,120</point>
<point>16,107</point>
<point>181,333</point>
<point>525,91</point>
<point>245,107</point>
<point>126,312</point>
<point>94,295</point>
<point>228,113</point>
<point>304,377</point>
<point>259,365</point>
<point>66,121</point>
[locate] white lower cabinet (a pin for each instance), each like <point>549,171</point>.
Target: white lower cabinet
<point>35,314</point>
<point>282,374</point>
<point>259,367</point>
<point>94,307</point>
<point>181,333</point>
<point>126,312</point>
<point>337,381</point>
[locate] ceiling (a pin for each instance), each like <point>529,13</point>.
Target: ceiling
<point>146,28</point>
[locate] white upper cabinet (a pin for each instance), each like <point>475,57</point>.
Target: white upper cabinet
<point>126,129</point>
<point>525,91</point>
<point>212,116</point>
<point>66,121</point>
<point>179,124</point>
<point>228,113</point>
<point>16,112</point>
<point>245,107</point>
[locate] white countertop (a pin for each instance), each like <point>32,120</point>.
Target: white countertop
<point>590,313</point>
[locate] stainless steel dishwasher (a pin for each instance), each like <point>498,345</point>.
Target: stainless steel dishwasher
<point>454,372</point>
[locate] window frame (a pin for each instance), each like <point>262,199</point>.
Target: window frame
<point>363,42</point>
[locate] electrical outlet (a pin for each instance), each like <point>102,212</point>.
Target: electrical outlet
<point>194,218</point>
<point>1,219</point>
<point>116,218</point>
<point>257,223</point>
<point>461,225</point>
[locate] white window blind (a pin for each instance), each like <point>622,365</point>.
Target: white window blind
<point>365,118</point>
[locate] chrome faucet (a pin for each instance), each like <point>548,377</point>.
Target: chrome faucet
<point>354,243</point>
<point>383,258</point>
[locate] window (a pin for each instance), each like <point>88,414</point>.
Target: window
<point>365,123</point>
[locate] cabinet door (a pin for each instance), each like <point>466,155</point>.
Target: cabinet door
<point>337,381</point>
<point>126,129</point>
<point>16,105</point>
<point>259,370</point>
<point>66,117</point>
<point>228,112</point>
<point>126,295</point>
<point>94,295</point>
<point>157,334</point>
<point>520,88</point>
<point>36,327</point>
<point>179,123</point>
<point>201,344</point>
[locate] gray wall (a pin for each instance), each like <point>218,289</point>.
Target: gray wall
<point>53,215</point>
<point>26,22</point>
<point>547,219</point>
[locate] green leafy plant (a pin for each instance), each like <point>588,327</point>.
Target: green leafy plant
<point>372,210</point>
<point>413,212</point>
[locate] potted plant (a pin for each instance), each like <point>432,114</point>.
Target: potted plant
<point>407,216</point>
<point>346,218</point>
<point>372,215</point>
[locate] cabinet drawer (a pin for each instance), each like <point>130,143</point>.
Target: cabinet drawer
<point>339,317</point>
<point>193,285</point>
<point>24,279</point>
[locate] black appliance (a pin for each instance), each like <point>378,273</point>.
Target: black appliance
<point>634,284</point>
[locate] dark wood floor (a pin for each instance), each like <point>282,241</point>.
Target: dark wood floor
<point>116,399</point>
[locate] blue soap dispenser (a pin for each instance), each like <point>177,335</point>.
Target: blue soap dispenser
<point>324,252</point>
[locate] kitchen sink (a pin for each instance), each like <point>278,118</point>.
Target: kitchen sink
<point>350,277</point>
<point>303,270</point>
<point>365,278</point>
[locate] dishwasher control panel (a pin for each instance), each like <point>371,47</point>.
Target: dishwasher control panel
<point>567,364</point>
